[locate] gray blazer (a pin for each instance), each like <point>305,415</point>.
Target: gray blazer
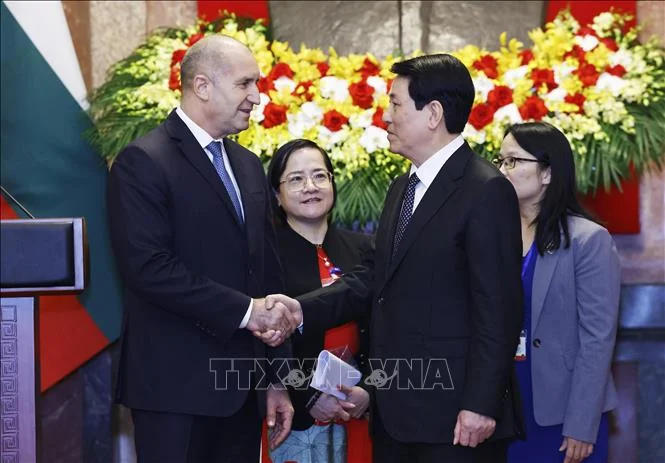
<point>575,306</point>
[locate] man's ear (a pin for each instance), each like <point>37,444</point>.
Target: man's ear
<point>202,85</point>
<point>435,114</point>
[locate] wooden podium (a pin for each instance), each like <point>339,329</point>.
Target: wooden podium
<point>38,256</point>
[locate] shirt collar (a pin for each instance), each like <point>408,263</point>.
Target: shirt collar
<point>199,133</point>
<point>429,169</point>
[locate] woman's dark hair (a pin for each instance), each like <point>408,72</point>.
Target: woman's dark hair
<point>278,165</point>
<point>549,145</point>
<point>443,78</point>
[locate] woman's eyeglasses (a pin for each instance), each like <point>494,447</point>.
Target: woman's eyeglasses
<point>298,182</point>
<point>511,161</point>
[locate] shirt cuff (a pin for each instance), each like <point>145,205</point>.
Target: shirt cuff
<point>245,320</point>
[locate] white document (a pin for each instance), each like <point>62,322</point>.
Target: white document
<point>332,371</point>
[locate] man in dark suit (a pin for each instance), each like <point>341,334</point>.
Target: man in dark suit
<point>191,232</point>
<point>444,288</point>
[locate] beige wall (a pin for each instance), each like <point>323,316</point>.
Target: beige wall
<point>643,255</point>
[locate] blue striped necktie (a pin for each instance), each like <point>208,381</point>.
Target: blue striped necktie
<point>215,148</point>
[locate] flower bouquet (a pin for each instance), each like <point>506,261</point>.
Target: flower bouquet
<point>598,84</point>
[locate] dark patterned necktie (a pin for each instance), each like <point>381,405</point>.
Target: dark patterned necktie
<point>406,212</point>
<point>215,149</point>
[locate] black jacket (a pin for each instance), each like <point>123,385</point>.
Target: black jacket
<point>450,296</point>
<point>301,274</point>
<point>190,269</point>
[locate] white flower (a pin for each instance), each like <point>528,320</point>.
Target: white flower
<point>257,111</point>
<point>622,57</point>
<point>312,111</point>
<point>561,71</point>
<point>310,115</point>
<point>374,138</point>
<point>379,84</point>
<point>483,86</point>
<point>587,42</point>
<point>362,119</point>
<point>334,88</point>
<point>296,125</point>
<point>471,134</point>
<point>556,95</point>
<point>328,139</point>
<point>512,77</point>
<point>285,82</point>
<point>509,112</point>
<point>613,84</point>
<point>603,22</point>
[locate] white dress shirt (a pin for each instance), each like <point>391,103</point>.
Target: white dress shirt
<point>429,169</point>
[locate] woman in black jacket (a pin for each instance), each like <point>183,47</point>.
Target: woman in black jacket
<point>314,253</point>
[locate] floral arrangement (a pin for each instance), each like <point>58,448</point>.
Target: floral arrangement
<point>599,85</point>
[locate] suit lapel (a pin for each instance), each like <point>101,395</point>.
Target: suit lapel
<point>438,193</point>
<point>542,277</point>
<point>388,224</point>
<point>251,192</point>
<point>198,158</point>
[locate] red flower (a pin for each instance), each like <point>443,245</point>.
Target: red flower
<point>542,76</point>
<point>192,39</point>
<point>489,65</point>
<point>609,43</point>
<point>174,79</point>
<point>587,74</point>
<point>369,68</point>
<point>377,119</point>
<point>586,30</point>
<point>578,53</point>
<point>274,114</point>
<point>302,90</point>
<point>481,115</point>
<point>265,84</point>
<point>362,94</point>
<point>333,120</point>
<point>576,99</point>
<point>177,56</point>
<point>500,96</point>
<point>323,68</point>
<point>281,70</point>
<point>533,108</point>
<point>527,56</point>
<point>617,70</point>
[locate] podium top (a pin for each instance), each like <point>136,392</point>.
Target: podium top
<point>42,256</point>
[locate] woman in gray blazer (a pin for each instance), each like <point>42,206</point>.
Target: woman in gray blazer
<point>571,280</point>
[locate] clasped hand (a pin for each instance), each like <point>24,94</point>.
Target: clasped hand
<point>274,318</point>
<point>330,408</point>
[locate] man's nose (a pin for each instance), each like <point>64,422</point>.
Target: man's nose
<point>253,96</point>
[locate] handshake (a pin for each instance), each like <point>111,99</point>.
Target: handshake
<point>274,318</point>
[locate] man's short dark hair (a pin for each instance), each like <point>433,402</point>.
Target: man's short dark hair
<point>443,78</point>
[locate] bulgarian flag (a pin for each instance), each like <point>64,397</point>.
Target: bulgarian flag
<point>48,167</point>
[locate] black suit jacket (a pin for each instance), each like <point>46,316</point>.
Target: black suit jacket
<point>190,268</point>
<point>451,299</point>
<point>346,250</point>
